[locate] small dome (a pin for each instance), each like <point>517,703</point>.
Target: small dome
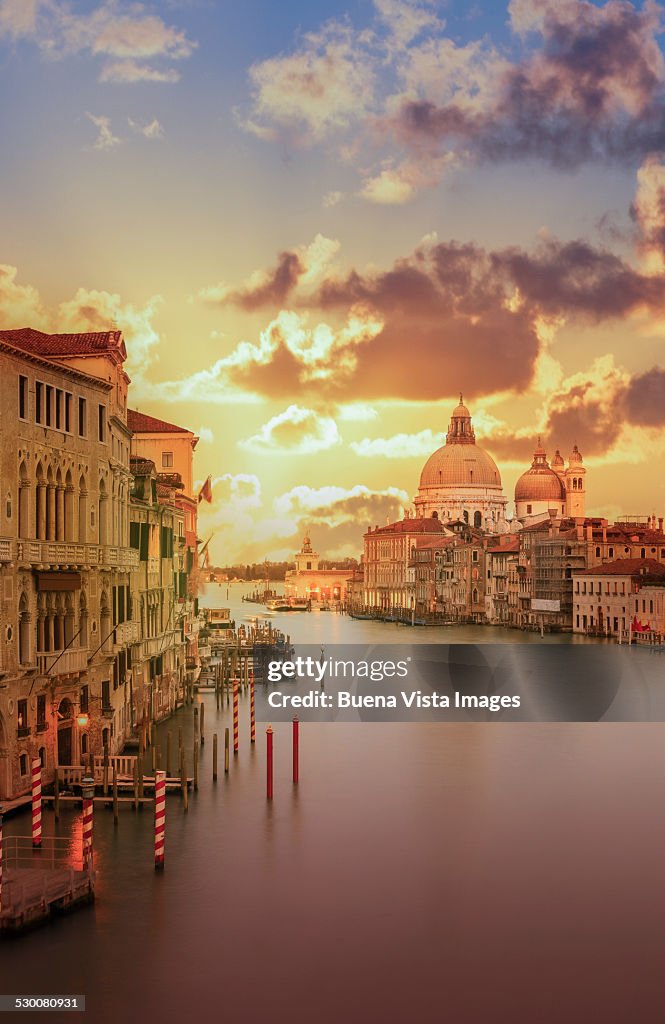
<point>575,457</point>
<point>558,459</point>
<point>540,483</point>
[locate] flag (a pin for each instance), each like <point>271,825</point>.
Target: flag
<point>206,491</point>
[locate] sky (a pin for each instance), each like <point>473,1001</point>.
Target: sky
<point>317,223</point>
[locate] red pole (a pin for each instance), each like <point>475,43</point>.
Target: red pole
<point>36,802</point>
<point>269,762</point>
<point>235,716</point>
<point>252,711</point>
<point>296,751</point>
<point>160,819</point>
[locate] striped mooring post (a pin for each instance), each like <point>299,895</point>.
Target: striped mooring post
<point>88,794</point>
<point>160,819</point>
<point>36,802</point>
<point>252,711</point>
<point>235,716</point>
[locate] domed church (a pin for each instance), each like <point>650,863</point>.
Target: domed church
<point>546,490</point>
<point>461,481</point>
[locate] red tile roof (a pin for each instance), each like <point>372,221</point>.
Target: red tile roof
<point>419,525</point>
<point>626,567</point>
<point>41,344</point>
<point>511,545</point>
<point>141,423</point>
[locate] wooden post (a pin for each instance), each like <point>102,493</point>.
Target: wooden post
<point>196,723</point>
<point>179,743</point>
<point>201,721</point>
<point>196,766</point>
<point>135,776</point>
<point>226,751</point>
<point>153,742</point>
<point>139,769</point>
<point>269,773</point>
<point>105,776</point>
<point>183,782</point>
<point>168,754</point>
<point>115,795</point>
<point>56,795</point>
<point>214,757</point>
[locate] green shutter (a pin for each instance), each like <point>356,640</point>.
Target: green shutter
<point>134,535</point>
<point>143,545</point>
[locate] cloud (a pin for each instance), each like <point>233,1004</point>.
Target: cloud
<point>332,199</point>
<point>645,398</point>
<point>324,86</point>
<point>105,138</point>
<point>356,412</point>
<point>296,431</point>
<point>122,34</point>
<point>20,304</point>
<point>150,130</point>
<point>18,17</point>
<point>241,519</point>
<point>128,72</point>
<point>205,435</point>
<point>399,446</point>
<point>648,211</point>
<point>585,84</point>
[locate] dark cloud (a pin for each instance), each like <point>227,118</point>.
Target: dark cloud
<point>645,398</point>
<point>593,90</point>
<point>273,288</point>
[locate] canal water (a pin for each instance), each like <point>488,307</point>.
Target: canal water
<point>463,873</point>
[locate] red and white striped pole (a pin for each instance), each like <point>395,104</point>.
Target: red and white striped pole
<point>296,748</point>
<point>36,802</point>
<point>235,716</point>
<point>269,775</point>
<point>88,794</point>
<point>252,711</point>
<point>160,819</point>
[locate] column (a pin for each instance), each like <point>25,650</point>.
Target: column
<point>60,513</point>
<point>50,512</point>
<point>69,513</point>
<point>41,511</point>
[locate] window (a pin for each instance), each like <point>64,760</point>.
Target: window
<point>610,552</point>
<point>39,402</point>
<point>49,405</point>
<point>106,695</point>
<point>167,460</point>
<point>23,764</point>
<point>58,409</point>
<point>41,712</point>
<point>23,728</point>
<point>42,756</point>
<point>83,427</point>
<point>597,552</point>
<point>101,420</point>
<point>68,412</point>
<point>84,699</point>
<point>23,397</point>
<point>529,509</point>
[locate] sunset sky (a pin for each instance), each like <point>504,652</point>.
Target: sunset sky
<point>317,223</point>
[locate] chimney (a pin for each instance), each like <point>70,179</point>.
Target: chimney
<point>579,529</point>
<point>589,532</point>
<point>604,533</point>
<point>660,523</point>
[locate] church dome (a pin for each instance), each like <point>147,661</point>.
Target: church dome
<point>460,462</point>
<point>540,483</point>
<point>460,465</point>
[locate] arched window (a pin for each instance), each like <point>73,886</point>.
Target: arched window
<point>83,511</point>
<point>23,631</point>
<point>42,756</point>
<point>83,622</point>
<point>23,502</point>
<point>23,764</point>
<point>477,519</point>
<point>465,516</point>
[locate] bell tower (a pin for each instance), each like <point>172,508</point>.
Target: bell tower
<point>575,484</point>
<point>306,559</point>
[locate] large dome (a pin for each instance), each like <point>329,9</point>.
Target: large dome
<point>540,483</point>
<point>460,465</point>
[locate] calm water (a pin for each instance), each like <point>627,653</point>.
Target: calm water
<point>472,873</point>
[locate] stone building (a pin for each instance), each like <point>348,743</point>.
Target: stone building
<point>608,597</point>
<point>501,562</point>
<point>65,558</point>
<point>387,560</point>
<point>461,481</point>
<point>311,581</point>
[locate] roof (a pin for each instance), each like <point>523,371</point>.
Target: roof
<point>460,465</point>
<point>50,345</point>
<point>141,467</point>
<point>627,567</point>
<point>434,542</point>
<point>141,423</point>
<point>510,546</point>
<point>423,524</point>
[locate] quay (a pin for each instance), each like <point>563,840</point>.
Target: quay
<point>38,884</point>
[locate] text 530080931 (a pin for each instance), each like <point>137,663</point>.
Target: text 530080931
<point>43,1002</point>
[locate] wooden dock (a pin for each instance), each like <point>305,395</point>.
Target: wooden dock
<point>39,884</point>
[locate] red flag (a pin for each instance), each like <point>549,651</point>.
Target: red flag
<point>206,491</point>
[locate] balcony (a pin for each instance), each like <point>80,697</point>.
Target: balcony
<point>59,554</point>
<point>23,731</point>
<point>127,633</point>
<point>6,550</point>
<point>62,663</point>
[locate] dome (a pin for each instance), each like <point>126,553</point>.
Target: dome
<point>558,459</point>
<point>460,465</point>
<point>540,483</point>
